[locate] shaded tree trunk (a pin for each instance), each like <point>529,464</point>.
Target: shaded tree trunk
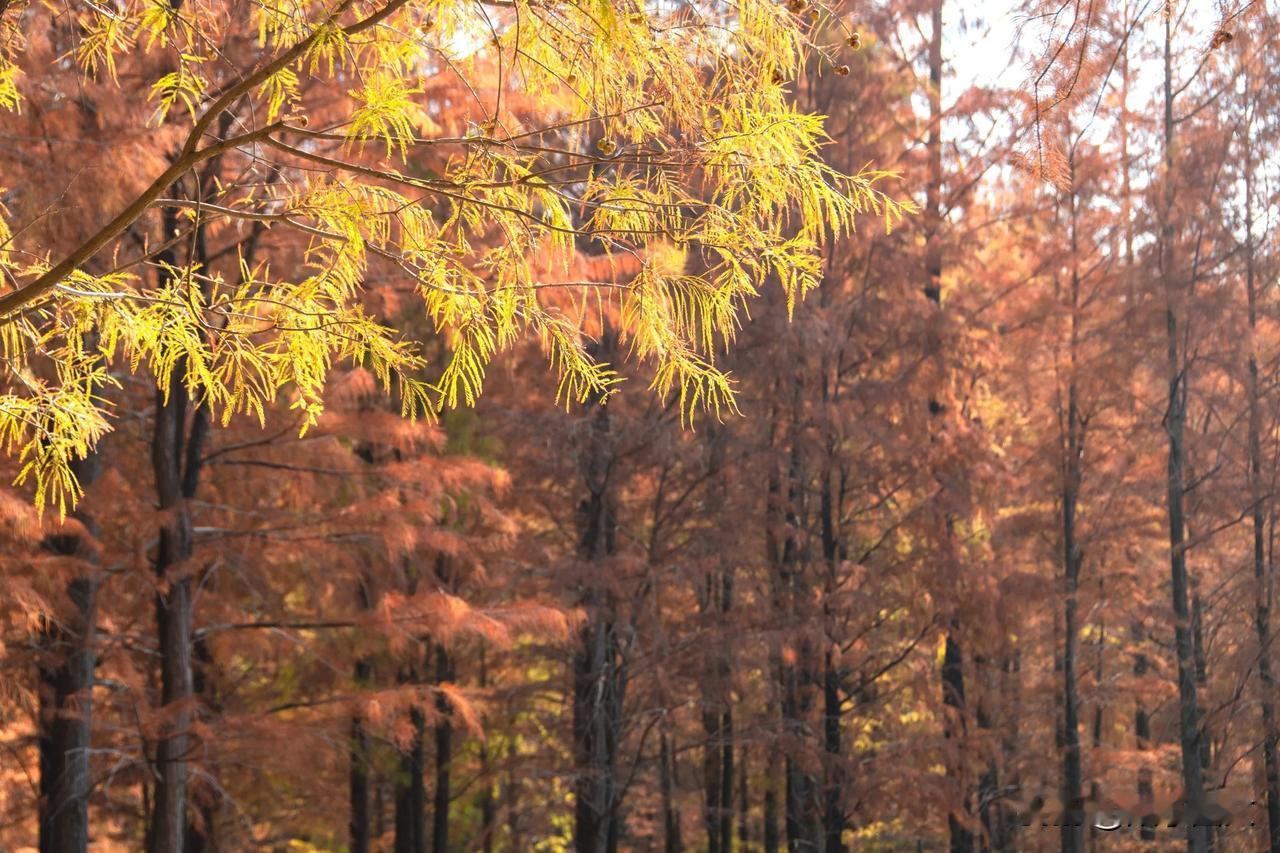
<point>1072,452</point>
<point>1262,575</point>
<point>173,606</point>
<point>666,784</point>
<point>359,825</point>
<point>488,803</point>
<point>717,721</point>
<point>833,817</point>
<point>599,671</point>
<point>411,792</point>
<point>770,829</point>
<point>444,757</point>
<point>66,693</point>
<point>1175,422</point>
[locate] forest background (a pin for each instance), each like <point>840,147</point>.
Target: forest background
<point>521,426</point>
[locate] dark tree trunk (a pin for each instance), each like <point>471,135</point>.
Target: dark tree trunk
<point>666,783</point>
<point>717,720</point>
<point>597,682</point>
<point>66,670</point>
<point>444,757</point>
<point>953,699</point>
<point>177,461</point>
<point>834,781</point>
<point>833,818</point>
<point>961,837</point>
<point>770,828</point>
<point>1175,421</point>
<point>411,792</point>
<point>1262,574</point>
<point>1142,738</point>
<point>173,620</point>
<point>66,705</point>
<point>1072,450</point>
<point>599,670</point>
<point>359,826</point>
<point>488,804</point>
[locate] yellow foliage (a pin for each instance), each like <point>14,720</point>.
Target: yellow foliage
<point>665,136</point>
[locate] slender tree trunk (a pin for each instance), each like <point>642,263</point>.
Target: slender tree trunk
<point>833,818</point>
<point>772,840</point>
<point>177,457</point>
<point>953,691</point>
<point>444,757</point>
<point>954,700</point>
<point>360,825</point>
<point>666,784</point>
<point>66,693</point>
<point>744,831</point>
<point>834,781</point>
<point>1262,576</point>
<point>66,684</point>
<point>173,621</point>
<point>803,816</point>
<point>1175,423</point>
<point>598,670</point>
<point>488,803</point>
<point>1072,556</point>
<point>411,792</point>
<point>717,719</point>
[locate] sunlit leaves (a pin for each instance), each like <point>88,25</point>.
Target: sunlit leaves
<point>664,138</point>
<point>280,88</point>
<point>105,36</point>
<point>386,111</point>
<point>10,99</point>
<point>183,86</point>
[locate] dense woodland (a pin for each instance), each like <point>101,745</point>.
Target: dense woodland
<point>614,425</point>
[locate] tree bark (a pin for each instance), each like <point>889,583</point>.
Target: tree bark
<point>66,693</point>
<point>772,840</point>
<point>1262,574</point>
<point>444,757</point>
<point>173,620</point>
<point>1072,450</point>
<point>359,825</point>
<point>671,841</point>
<point>411,792</point>
<point>599,672</point>
<point>1175,423</point>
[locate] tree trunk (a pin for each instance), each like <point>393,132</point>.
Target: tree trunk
<point>359,825</point>
<point>1262,576</point>
<point>66,670</point>
<point>961,837</point>
<point>671,842</point>
<point>717,719</point>
<point>1175,422</point>
<point>772,840</point>
<point>1072,558</point>
<point>599,678</point>
<point>444,757</point>
<point>411,792</point>
<point>173,620</point>
<point>66,706</point>
<point>953,700</point>
<point>488,804</point>
<point>833,817</point>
